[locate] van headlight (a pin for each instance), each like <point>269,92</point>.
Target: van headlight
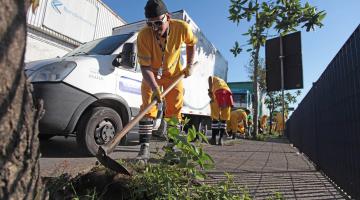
<point>52,72</point>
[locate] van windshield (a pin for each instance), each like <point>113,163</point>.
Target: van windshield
<point>102,46</point>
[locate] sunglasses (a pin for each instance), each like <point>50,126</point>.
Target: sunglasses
<point>156,23</point>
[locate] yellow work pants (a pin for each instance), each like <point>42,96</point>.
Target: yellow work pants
<point>234,124</point>
<point>280,127</point>
<point>173,100</point>
<point>218,113</point>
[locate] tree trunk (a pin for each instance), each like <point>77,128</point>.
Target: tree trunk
<point>19,162</point>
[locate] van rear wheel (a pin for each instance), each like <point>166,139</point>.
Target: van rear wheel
<point>97,127</point>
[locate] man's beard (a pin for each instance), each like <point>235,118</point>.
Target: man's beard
<point>159,32</point>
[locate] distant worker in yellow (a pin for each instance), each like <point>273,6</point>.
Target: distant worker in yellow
<point>221,103</point>
<point>280,126</point>
<point>239,116</point>
<point>159,47</point>
<point>262,123</point>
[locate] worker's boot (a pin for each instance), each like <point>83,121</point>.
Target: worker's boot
<point>144,153</point>
<point>230,134</point>
<point>222,132</point>
<point>234,135</point>
<point>221,141</point>
<point>214,132</point>
<point>145,129</point>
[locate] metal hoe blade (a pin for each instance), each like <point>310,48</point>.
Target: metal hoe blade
<point>110,163</point>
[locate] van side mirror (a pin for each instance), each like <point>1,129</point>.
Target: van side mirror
<point>127,57</point>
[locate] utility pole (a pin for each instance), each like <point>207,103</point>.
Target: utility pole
<point>282,82</point>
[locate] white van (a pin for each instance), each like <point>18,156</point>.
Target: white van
<point>94,90</point>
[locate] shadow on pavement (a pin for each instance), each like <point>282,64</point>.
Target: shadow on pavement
<point>60,147</point>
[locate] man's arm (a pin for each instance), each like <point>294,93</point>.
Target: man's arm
<point>149,77</point>
<point>245,120</point>
<point>190,52</point>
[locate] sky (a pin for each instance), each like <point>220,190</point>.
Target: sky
<point>318,47</point>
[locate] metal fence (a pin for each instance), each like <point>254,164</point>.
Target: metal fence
<point>326,124</point>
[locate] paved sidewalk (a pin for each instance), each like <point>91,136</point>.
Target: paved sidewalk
<point>263,167</point>
<point>268,167</point>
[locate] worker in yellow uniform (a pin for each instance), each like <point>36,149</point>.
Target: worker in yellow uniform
<point>262,123</point>
<point>221,103</point>
<point>159,47</point>
<point>238,116</point>
<point>280,126</point>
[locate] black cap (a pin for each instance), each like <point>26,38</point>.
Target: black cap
<point>155,8</point>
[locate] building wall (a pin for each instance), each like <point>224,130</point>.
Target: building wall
<point>236,86</point>
<point>44,43</point>
<point>40,45</point>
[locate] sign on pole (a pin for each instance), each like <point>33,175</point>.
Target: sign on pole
<point>292,62</point>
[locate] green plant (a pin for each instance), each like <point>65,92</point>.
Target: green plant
<point>89,194</point>
<point>191,156</point>
<point>276,196</point>
<point>171,182</point>
<point>260,137</point>
<point>182,180</point>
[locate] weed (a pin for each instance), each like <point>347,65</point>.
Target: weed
<point>182,180</point>
<point>276,196</point>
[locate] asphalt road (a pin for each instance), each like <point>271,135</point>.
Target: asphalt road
<point>62,155</point>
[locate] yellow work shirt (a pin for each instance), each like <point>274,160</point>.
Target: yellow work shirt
<point>263,121</point>
<point>149,51</point>
<point>239,115</point>
<point>217,84</point>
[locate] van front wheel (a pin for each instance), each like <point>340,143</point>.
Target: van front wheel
<point>97,127</point>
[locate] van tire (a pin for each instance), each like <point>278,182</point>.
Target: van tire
<point>97,127</point>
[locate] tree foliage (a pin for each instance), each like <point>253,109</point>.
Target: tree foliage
<point>284,16</point>
<point>273,100</point>
<point>261,79</point>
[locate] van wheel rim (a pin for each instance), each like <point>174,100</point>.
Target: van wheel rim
<point>104,132</point>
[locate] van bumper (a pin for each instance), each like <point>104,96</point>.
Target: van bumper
<point>60,103</point>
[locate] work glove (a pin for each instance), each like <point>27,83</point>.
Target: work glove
<point>157,95</point>
<point>188,70</point>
